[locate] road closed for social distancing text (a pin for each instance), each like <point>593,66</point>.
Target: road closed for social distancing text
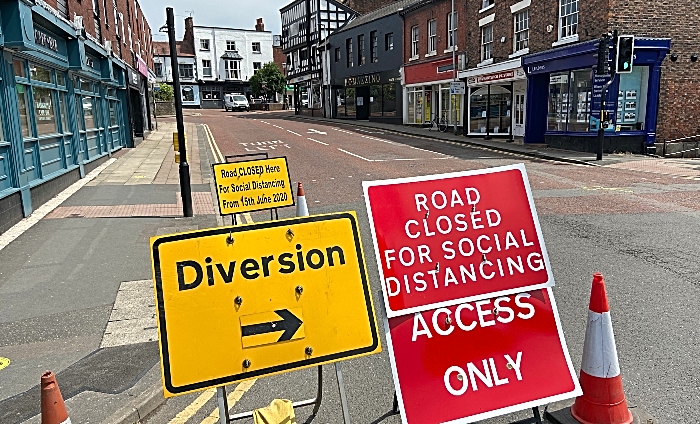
<point>252,185</point>
<point>477,360</point>
<point>241,302</point>
<point>459,237</point>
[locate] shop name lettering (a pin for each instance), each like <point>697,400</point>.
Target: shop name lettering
<point>496,77</point>
<point>45,40</point>
<point>362,80</point>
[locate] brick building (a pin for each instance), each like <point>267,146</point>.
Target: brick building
<point>75,89</point>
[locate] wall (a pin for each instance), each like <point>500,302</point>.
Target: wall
<point>438,10</point>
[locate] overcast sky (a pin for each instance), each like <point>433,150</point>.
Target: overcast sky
<point>223,13</point>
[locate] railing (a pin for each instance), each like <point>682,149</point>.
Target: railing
<point>686,147</point>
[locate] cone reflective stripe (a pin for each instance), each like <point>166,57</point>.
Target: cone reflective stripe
<point>53,410</point>
<point>302,209</point>
<point>603,400</point>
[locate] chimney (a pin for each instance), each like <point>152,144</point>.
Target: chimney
<point>259,25</point>
<point>188,39</point>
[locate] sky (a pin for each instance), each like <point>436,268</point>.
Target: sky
<point>223,13</point>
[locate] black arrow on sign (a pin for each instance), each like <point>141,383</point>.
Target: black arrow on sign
<point>289,323</point>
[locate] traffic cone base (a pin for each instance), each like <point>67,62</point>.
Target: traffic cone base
<point>593,407</point>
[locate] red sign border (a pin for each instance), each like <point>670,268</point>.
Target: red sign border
<point>520,167</point>
<point>496,412</point>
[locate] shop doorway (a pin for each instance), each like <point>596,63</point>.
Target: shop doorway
<point>519,90</point>
<point>362,103</point>
<point>136,112</point>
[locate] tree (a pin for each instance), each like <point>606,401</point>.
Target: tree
<point>268,81</point>
<point>165,93</point>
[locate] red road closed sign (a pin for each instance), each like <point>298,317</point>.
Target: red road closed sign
<point>477,360</point>
<point>460,237</point>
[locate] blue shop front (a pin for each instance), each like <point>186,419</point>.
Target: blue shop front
<point>62,102</point>
<point>563,98</point>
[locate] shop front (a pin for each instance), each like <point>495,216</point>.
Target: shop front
<point>427,94</point>
<point>496,100</point>
<point>368,97</point>
<point>564,98</point>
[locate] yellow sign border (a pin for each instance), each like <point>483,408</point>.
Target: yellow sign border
<point>243,210</point>
<point>172,390</point>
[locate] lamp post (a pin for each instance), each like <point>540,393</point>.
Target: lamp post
<point>185,188</point>
<point>454,64</point>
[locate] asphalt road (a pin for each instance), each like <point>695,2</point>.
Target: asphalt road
<point>639,229</point>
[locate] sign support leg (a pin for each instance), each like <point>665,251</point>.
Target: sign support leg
<point>395,409</point>
<point>341,390</point>
<point>223,405</point>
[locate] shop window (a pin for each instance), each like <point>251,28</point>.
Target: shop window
<point>64,116</point>
<point>86,86</point>
<point>558,107</point>
<point>113,113</point>
<point>450,106</point>
<point>20,68</point>
<point>44,111</point>
<point>632,99</point>
<point>350,101</point>
<point>361,49</point>
<point>60,79</point>
<point>416,106</point>
<point>451,30</point>
<point>23,103</point>
<point>39,73</point>
<point>580,100</point>
<point>88,105</point>
<point>432,36</point>
<point>486,42</point>
<point>568,18</point>
<point>478,107</point>
<point>78,113</point>
<point>206,68</point>
<point>521,34</point>
<point>373,46</point>
<point>375,100</point>
<point>389,41</point>
<point>389,99</point>
<point>340,101</point>
<point>414,42</point>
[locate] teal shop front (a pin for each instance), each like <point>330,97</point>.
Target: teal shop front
<point>62,101</point>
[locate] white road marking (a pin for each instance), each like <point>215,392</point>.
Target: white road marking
<point>294,133</point>
<point>265,122</point>
<point>313,131</point>
<point>343,131</point>
<point>277,126</point>
<point>319,142</point>
<point>357,156</point>
<point>218,157</point>
<point>133,318</point>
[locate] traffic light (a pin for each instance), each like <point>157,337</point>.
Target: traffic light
<point>624,54</point>
<point>603,55</point>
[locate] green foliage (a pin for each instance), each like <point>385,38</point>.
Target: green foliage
<point>268,81</point>
<point>165,94</point>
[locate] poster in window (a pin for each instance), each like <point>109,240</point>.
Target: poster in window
<point>631,95</point>
<point>360,101</point>
<point>631,106</point>
<point>187,93</point>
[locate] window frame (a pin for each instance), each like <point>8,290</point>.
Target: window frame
<point>452,32</point>
<point>158,69</point>
<point>525,43</point>
<point>235,70</point>
<point>571,34</point>
<point>432,36</point>
<point>256,68</point>
<point>415,39</point>
<point>484,44</point>
<point>389,41</point>
<point>373,47</point>
<point>253,46</point>
<point>190,67</point>
<point>204,44</point>
<point>204,68</point>
<point>349,58</point>
<point>361,49</point>
<point>229,43</point>
<point>487,4</point>
<point>338,54</point>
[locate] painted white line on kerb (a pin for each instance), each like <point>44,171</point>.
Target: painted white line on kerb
<point>294,133</point>
<point>19,228</point>
<point>319,142</point>
<point>357,156</point>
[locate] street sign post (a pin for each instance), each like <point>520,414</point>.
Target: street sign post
<point>477,360</point>
<point>253,185</point>
<point>236,302</point>
<point>457,87</point>
<point>446,239</point>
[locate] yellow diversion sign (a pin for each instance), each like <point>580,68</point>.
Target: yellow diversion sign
<point>240,302</point>
<point>253,185</point>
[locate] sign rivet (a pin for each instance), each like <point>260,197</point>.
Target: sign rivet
<point>483,257</point>
<point>309,350</point>
<point>509,366</point>
<point>238,300</point>
<point>299,290</point>
<point>448,320</point>
<point>229,239</point>
<point>246,363</point>
<point>459,377</point>
<point>495,311</point>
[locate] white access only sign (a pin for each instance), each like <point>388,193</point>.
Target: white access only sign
<point>457,87</point>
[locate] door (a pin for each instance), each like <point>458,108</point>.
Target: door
<point>519,90</point>
<point>362,103</point>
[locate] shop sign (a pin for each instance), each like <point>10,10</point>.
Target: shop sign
<point>43,39</point>
<point>495,77</point>
<point>446,239</point>
<point>90,62</point>
<point>134,78</point>
<point>477,360</point>
<point>142,67</point>
<point>241,302</point>
<point>362,80</point>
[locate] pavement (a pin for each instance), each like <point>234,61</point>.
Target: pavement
<point>76,289</point>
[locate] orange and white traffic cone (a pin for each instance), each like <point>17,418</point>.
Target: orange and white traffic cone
<point>603,400</point>
<point>302,209</point>
<point>53,410</point>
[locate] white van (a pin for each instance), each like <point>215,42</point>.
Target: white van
<point>236,102</point>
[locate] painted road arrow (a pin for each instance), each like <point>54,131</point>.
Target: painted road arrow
<point>289,324</point>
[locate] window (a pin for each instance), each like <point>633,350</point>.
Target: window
<point>361,49</point>
<point>186,70</point>
<point>432,36</point>
<point>389,41</point>
<point>233,69</point>
<point>451,30</point>
<point>256,47</point>
<point>206,68</point>
<point>337,54</point>
<point>414,41</point>
<point>88,111</point>
<point>22,97</point>
<point>521,33</point>
<point>159,69</point>
<point>569,106</point>
<point>568,18</point>
<point>486,3</point>
<point>204,44</point>
<point>348,50</point>
<point>256,67</point>
<point>486,42</point>
<point>44,111</point>
<point>373,46</point>
<point>230,45</point>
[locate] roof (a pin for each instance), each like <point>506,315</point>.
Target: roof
<point>390,9</point>
<point>231,55</point>
<point>162,48</point>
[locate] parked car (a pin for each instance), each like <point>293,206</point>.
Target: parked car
<point>236,102</point>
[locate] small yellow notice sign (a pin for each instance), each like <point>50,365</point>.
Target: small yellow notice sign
<point>253,185</point>
<point>241,302</point>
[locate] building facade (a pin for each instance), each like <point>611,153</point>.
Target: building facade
<point>226,58</point>
<point>187,66</point>
<point>66,101</point>
<point>364,60</point>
